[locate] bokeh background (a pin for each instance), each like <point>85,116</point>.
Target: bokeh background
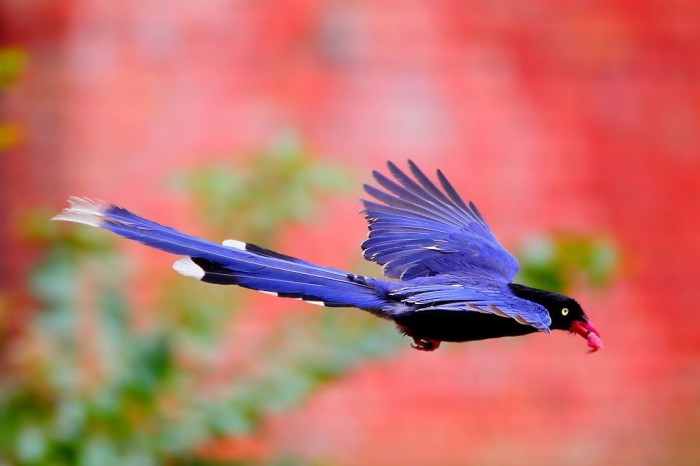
<point>574,126</point>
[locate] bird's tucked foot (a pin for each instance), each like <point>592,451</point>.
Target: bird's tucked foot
<point>422,344</point>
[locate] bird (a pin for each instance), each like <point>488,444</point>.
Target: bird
<point>447,278</point>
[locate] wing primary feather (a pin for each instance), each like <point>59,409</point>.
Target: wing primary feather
<point>426,183</point>
<point>421,228</point>
<point>399,213</point>
<point>411,184</point>
<point>451,191</point>
<point>415,197</point>
<point>436,195</point>
<point>397,201</point>
<point>417,210</point>
<point>477,212</point>
<point>398,189</point>
<point>383,242</point>
<point>405,195</point>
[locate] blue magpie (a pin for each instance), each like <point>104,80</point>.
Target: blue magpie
<point>451,280</point>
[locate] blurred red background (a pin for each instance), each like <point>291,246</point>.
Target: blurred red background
<point>574,116</point>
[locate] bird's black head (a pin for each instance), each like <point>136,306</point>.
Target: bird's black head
<point>565,312</point>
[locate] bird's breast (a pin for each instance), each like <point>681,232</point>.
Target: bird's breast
<point>459,326</point>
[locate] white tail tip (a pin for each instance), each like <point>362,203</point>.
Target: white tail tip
<point>188,268</point>
<point>83,210</point>
<point>235,244</point>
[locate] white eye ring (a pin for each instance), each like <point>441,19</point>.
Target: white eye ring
<point>565,311</point>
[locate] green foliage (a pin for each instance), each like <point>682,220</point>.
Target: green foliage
<point>13,61</point>
<point>281,185</point>
<point>92,388</point>
<point>558,262</point>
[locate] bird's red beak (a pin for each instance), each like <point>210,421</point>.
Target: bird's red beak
<point>589,332</point>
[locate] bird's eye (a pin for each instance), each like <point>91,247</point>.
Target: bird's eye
<point>565,311</point>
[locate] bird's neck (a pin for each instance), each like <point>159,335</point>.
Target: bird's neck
<point>533,294</point>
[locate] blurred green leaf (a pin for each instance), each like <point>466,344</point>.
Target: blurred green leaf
<point>13,61</point>
<point>10,135</point>
<point>31,444</point>
<point>282,185</point>
<point>558,262</point>
<point>94,390</point>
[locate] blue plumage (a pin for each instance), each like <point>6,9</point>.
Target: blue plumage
<point>239,263</point>
<point>454,277</point>
<point>421,231</point>
<point>460,294</point>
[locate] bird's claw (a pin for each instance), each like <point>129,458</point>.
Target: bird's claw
<point>422,344</point>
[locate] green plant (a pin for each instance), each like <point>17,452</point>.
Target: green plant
<point>560,261</point>
<point>89,388</point>
<point>13,61</point>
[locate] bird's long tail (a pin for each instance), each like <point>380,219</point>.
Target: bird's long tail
<point>234,262</point>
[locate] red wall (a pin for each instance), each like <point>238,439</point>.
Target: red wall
<point>579,116</point>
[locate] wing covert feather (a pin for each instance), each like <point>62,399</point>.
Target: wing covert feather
<point>471,294</point>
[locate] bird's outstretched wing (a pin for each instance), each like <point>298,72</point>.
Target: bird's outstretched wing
<point>419,230</point>
<point>472,294</point>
